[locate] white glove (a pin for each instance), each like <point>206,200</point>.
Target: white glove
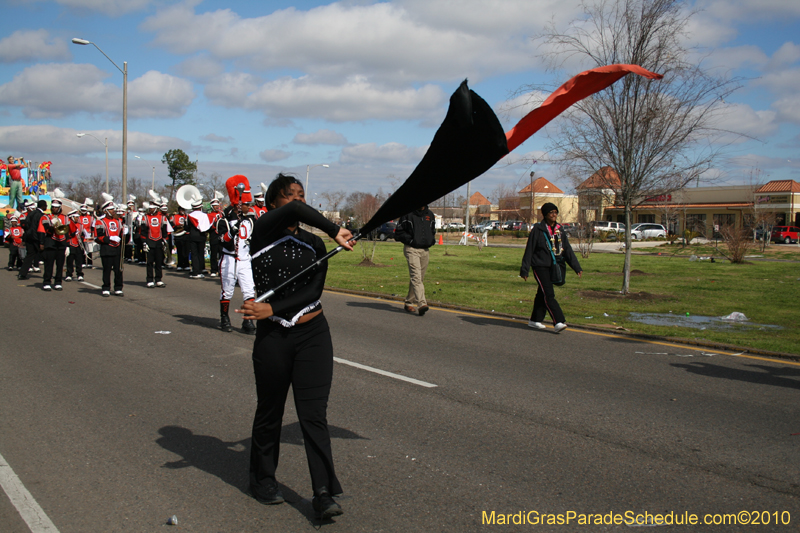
<point>125,230</point>
<point>114,239</point>
<point>145,247</point>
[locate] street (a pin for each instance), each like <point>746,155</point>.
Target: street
<point>118,413</point>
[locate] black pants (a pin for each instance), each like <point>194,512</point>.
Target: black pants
<point>182,251</point>
<point>545,301</point>
<point>14,259</point>
<point>138,254</point>
<point>215,254</point>
<point>75,260</point>
<point>155,260</point>
<point>301,356</point>
<point>32,256</point>
<point>111,263</point>
<point>53,256</point>
<point>198,251</point>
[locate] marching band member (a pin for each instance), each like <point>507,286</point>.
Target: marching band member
<point>234,230</point>
<point>181,238</point>
<point>166,243</point>
<point>214,245</point>
<point>54,232</point>
<point>293,344</point>
<point>138,244</point>
<point>154,230</point>
<point>86,222</point>
<point>13,237</point>
<point>31,237</point>
<point>110,232</point>
<point>198,226</point>
<point>259,209</point>
<point>76,255</point>
<point>130,215</point>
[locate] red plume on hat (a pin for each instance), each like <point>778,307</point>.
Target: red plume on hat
<point>238,188</point>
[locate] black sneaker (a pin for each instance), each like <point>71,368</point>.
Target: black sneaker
<point>270,495</point>
<point>325,506</point>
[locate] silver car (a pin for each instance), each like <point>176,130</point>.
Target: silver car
<point>646,230</point>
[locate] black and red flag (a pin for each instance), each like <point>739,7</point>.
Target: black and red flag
<point>471,140</point>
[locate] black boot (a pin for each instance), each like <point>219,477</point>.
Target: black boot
<point>248,327</point>
<point>224,319</point>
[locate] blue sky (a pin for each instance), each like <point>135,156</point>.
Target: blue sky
<point>262,87</point>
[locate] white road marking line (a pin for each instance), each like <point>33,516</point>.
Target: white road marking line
<point>28,509</point>
<point>90,285</point>
<point>385,373</point>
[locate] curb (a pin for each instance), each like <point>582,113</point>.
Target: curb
<point>681,340</point>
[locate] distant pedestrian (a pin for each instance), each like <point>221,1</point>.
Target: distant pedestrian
<point>548,248</point>
<point>417,232</point>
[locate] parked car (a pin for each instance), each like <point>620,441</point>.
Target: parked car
<point>386,231</point>
<point>613,230</point>
<point>514,225</point>
<point>785,234</point>
<point>570,228</point>
<point>646,230</point>
<point>455,225</point>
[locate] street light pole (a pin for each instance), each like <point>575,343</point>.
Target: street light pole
<point>308,169</point>
<point>124,70</point>
<point>106,145</point>
<point>153,188</point>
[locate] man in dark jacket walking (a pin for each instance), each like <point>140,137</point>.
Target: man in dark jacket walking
<point>32,244</point>
<point>417,231</point>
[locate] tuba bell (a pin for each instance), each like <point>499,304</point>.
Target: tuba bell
<point>59,228</point>
<point>184,196</point>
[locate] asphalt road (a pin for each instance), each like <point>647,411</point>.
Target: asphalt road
<point>112,424</point>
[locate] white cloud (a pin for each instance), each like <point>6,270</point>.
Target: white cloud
<point>789,108</point>
<point>741,119</point>
<point>385,40</point>
<point>787,54</point>
<point>211,137</point>
<point>33,45</point>
<point>200,67</point>
<point>53,140</point>
<point>390,153</point>
<point>750,10</point>
<point>737,57</point>
<point>271,156</point>
<point>353,100</point>
<point>112,8</point>
<point>58,90</point>
<point>320,137</point>
<point>159,95</point>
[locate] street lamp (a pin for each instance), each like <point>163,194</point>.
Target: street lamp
<point>308,169</point>
<point>106,145</point>
<point>124,71</point>
<point>153,188</point>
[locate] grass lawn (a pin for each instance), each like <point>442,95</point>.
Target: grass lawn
<point>766,292</point>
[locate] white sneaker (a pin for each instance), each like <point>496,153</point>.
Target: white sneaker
<point>150,284</point>
<point>37,269</point>
<point>80,278</point>
<point>560,327</point>
<point>117,293</point>
<point>214,275</point>
<point>46,288</point>
<point>160,284</point>
<point>58,287</point>
<point>536,325</point>
<point>106,293</point>
<point>68,278</point>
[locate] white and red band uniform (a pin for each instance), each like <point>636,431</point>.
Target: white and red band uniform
<point>107,228</point>
<point>48,222</point>
<point>178,220</point>
<point>257,210</point>
<point>152,227</point>
<point>15,235</point>
<point>235,265</point>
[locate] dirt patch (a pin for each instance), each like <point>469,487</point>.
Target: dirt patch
<point>368,263</point>
<point>616,295</point>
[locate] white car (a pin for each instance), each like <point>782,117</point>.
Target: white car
<point>645,230</point>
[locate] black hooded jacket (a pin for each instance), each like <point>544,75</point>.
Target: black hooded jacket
<point>417,229</point>
<point>537,254</point>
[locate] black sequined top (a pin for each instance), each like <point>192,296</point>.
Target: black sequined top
<point>279,253</point>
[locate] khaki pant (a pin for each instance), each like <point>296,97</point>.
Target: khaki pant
<point>417,265</point>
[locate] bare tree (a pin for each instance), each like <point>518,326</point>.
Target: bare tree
<point>651,132</point>
<point>333,199</point>
<point>208,184</point>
